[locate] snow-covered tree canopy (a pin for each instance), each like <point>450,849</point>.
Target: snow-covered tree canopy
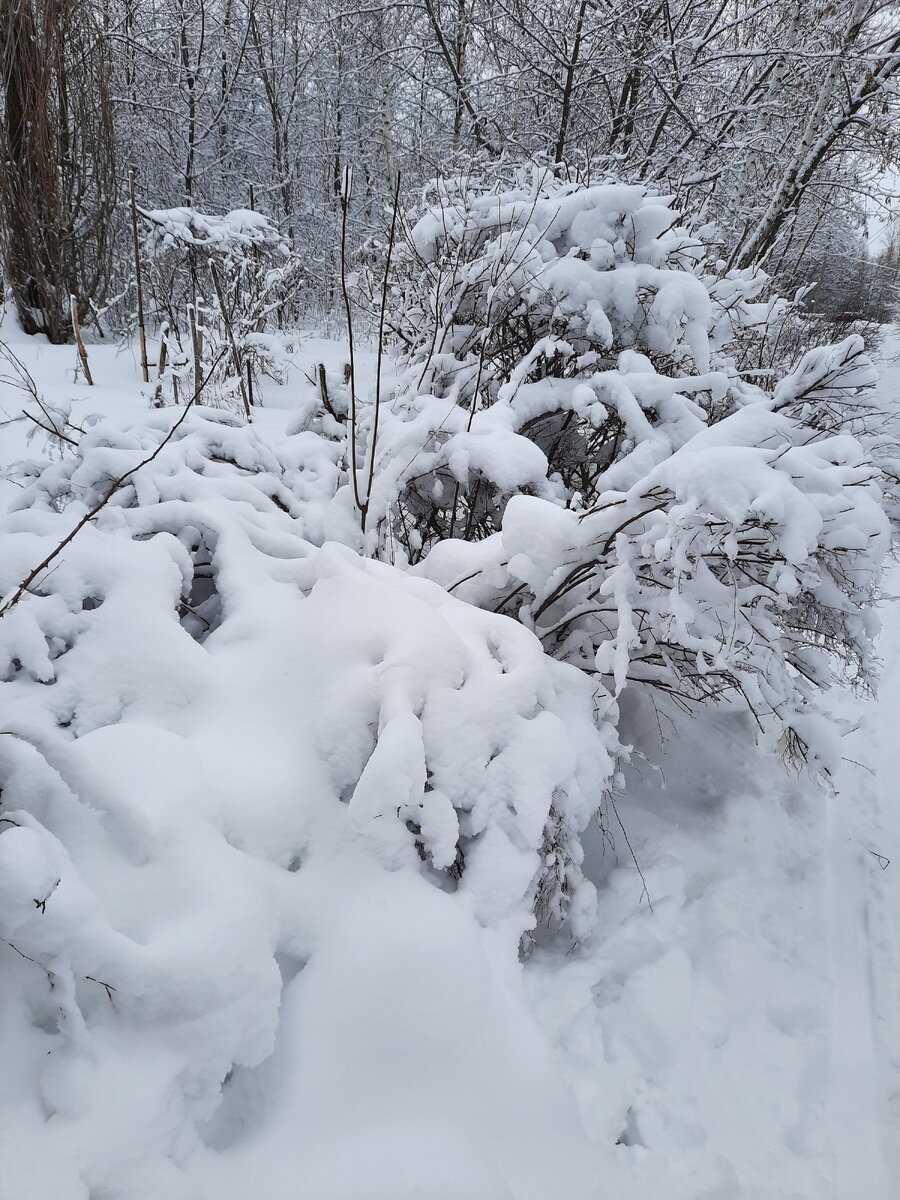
<point>231,235</point>
<point>776,120</point>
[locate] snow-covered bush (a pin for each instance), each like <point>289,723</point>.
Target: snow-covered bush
<point>277,816</point>
<point>219,284</point>
<point>573,391</point>
<point>567,441</point>
<point>446,740</point>
<point>273,818</point>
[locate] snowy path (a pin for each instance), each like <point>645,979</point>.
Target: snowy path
<point>886,830</point>
<point>855,904</point>
<point>742,1040</point>
<point>863,915</point>
<point>864,919</point>
<point>886,886</point>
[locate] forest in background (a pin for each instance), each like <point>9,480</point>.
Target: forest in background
<point>775,121</point>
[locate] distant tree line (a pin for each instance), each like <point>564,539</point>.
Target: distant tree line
<point>776,121</point>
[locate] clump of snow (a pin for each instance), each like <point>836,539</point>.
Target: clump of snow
<point>232,233</point>
<point>244,776</point>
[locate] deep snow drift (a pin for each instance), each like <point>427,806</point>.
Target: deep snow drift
<point>225,973</point>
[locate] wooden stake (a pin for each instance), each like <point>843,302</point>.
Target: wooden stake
<point>323,391</point>
<point>163,350</point>
<point>142,332</point>
<point>161,368</point>
<point>195,345</point>
<point>82,353</point>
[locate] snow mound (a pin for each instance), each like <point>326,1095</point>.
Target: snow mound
<point>275,820</point>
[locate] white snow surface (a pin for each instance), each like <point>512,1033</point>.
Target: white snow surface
<point>218,980</point>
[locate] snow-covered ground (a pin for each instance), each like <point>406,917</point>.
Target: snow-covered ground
<point>731,1032</point>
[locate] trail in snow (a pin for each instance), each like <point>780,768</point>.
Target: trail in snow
<point>855,899</point>
<point>864,914</point>
<point>885,885</point>
<point>741,1041</point>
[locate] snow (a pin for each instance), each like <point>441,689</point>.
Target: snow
<point>230,233</point>
<point>379,1084</point>
<point>234,974</point>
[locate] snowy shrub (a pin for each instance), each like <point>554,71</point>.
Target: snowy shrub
<point>218,284</point>
<point>446,740</point>
<point>246,780</point>
<point>571,392</point>
<point>565,440</point>
<point>285,795</point>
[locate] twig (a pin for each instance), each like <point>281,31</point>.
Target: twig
<point>142,333</point>
<point>856,763</point>
<point>49,429</point>
<point>384,294</point>
<point>645,891</point>
<point>108,987</point>
<point>323,391</point>
<point>41,905</point>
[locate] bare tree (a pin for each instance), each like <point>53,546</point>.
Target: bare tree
<point>57,169</point>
